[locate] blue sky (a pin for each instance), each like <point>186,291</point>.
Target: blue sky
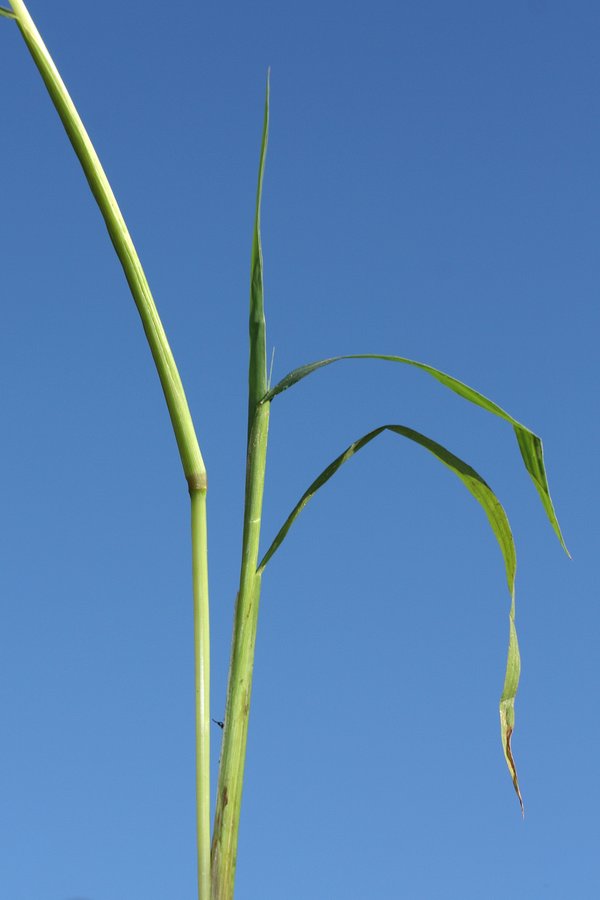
<point>431,191</point>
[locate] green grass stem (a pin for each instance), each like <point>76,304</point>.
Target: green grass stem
<point>239,690</point>
<point>202,688</point>
<point>193,464</point>
<point>183,427</point>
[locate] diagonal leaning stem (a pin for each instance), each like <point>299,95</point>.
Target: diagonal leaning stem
<point>183,427</point>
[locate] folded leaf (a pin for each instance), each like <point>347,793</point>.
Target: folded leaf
<point>257,380</point>
<point>500,526</point>
<point>530,444</point>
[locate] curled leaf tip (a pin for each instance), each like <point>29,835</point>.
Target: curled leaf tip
<point>513,768</point>
<point>506,716</point>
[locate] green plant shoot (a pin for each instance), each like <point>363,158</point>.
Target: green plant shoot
<point>217,850</point>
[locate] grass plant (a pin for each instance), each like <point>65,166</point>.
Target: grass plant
<point>217,851</point>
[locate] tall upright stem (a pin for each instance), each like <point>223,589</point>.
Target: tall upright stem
<point>202,688</point>
<point>239,689</point>
<point>233,753</point>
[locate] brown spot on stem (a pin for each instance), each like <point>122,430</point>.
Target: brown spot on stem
<point>197,482</point>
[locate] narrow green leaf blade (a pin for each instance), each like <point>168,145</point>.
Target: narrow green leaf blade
<point>471,479</point>
<point>530,444</point>
<point>322,479</point>
<point>499,523</point>
<point>7,13</point>
<point>257,377</point>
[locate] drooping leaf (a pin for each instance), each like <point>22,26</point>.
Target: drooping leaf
<point>530,444</point>
<point>500,526</point>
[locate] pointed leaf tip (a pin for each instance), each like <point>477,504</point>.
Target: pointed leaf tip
<point>532,452</point>
<point>258,376</point>
<point>507,700</point>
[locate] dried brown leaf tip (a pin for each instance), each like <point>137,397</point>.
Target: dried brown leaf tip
<point>513,768</point>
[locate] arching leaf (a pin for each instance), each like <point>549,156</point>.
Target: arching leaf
<point>500,526</point>
<point>530,444</point>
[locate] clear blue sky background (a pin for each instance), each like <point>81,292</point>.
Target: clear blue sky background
<point>431,191</point>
